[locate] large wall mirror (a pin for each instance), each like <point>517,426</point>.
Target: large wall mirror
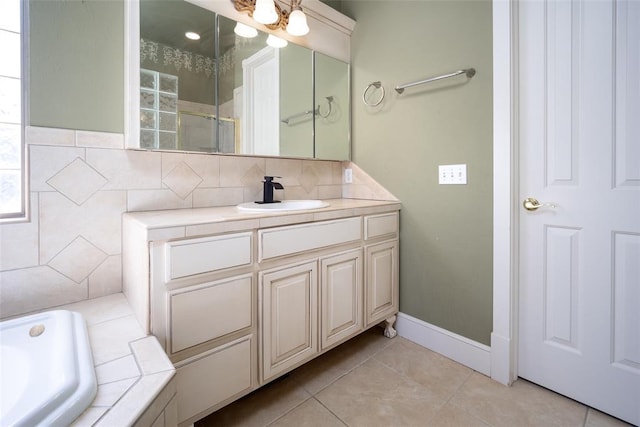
<point>232,91</point>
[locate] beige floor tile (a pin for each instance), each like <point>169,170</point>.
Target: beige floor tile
<point>310,414</point>
<point>451,416</point>
<point>522,404</point>
<point>374,381</point>
<point>324,370</point>
<point>374,395</point>
<point>596,418</point>
<point>261,407</point>
<point>432,370</point>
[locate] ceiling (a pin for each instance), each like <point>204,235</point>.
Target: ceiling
<point>166,21</point>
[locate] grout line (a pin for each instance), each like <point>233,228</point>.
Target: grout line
<point>347,372</point>
<point>333,413</point>
<point>284,414</point>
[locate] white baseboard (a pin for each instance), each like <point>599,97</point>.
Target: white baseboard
<point>456,347</point>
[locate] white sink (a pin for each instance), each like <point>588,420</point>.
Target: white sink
<point>285,205</point>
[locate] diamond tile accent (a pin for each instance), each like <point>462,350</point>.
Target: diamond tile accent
<point>78,181</point>
<point>254,176</point>
<point>309,178</point>
<point>78,260</point>
<point>98,220</point>
<point>252,183</point>
<point>182,180</point>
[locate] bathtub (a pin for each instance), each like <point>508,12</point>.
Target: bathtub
<point>46,369</point>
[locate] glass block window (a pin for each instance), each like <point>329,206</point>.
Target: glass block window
<point>158,110</point>
<point>12,181</point>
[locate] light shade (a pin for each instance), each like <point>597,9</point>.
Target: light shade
<point>297,23</point>
<point>274,41</point>
<point>265,12</point>
<point>245,31</point>
<point>192,35</point>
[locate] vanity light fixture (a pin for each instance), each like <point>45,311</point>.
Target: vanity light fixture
<point>270,14</point>
<point>276,42</point>
<point>192,35</point>
<point>245,31</point>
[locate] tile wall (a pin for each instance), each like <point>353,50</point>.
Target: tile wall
<point>80,184</point>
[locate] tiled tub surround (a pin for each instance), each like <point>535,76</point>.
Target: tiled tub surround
<point>80,184</point>
<point>136,385</point>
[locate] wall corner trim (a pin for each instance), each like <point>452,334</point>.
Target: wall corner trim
<point>501,366</point>
<point>470,353</point>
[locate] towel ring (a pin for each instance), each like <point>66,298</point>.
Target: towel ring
<point>377,85</point>
<point>329,102</point>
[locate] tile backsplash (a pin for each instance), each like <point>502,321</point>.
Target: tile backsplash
<point>80,184</point>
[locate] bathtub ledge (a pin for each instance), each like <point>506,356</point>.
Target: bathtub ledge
<point>125,356</point>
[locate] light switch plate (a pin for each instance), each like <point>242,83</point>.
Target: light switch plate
<point>452,174</point>
<point>348,176</point>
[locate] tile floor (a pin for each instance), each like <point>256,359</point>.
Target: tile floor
<point>374,381</point>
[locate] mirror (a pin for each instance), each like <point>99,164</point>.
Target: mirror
<point>331,89</point>
<point>235,95</point>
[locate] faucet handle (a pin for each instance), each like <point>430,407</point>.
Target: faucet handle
<point>270,177</point>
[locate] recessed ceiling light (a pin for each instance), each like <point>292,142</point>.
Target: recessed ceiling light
<point>191,35</point>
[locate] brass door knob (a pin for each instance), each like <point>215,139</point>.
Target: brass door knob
<point>532,204</point>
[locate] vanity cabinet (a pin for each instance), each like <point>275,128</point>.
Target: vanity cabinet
<point>203,311</point>
<point>238,304</point>
<point>299,318</point>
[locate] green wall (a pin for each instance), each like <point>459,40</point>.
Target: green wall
<point>446,230</point>
<point>77,64</point>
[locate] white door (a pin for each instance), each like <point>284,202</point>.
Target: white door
<point>579,130</point>
<point>261,105</point>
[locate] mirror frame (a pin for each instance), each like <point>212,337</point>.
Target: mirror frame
<point>330,34</point>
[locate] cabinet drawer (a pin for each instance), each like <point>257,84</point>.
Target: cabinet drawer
<point>380,225</point>
<point>208,311</point>
<point>195,256</point>
<point>298,238</point>
<point>213,377</point>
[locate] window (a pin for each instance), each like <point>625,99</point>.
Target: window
<point>158,110</point>
<point>12,154</point>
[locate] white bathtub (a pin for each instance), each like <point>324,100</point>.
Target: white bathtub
<point>46,369</point>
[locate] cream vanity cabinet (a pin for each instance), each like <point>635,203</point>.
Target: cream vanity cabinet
<point>236,309</point>
<point>204,311</point>
<point>308,305</point>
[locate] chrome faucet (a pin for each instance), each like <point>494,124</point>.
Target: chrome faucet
<point>269,185</point>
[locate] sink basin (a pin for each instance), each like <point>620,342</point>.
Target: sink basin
<point>285,205</point>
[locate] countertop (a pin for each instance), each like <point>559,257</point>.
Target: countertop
<point>167,224</point>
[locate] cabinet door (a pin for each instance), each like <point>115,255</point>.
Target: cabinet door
<point>381,289</point>
<point>342,297</point>
<point>289,317</point>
